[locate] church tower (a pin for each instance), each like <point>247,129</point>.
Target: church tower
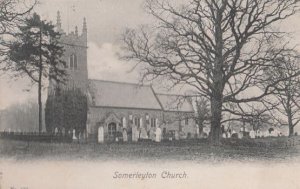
<point>75,56</point>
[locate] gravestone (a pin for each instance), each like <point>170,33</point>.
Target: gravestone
<point>134,134</point>
<point>158,134</point>
<point>125,137</point>
<point>100,135</point>
<point>144,134</point>
<point>74,135</point>
<point>252,134</point>
<point>152,134</point>
<point>56,131</point>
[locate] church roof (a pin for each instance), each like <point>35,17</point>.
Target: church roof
<point>129,95</point>
<point>175,103</point>
<point>122,95</point>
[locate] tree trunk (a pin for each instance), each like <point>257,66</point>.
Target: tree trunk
<point>289,114</point>
<point>217,92</point>
<point>291,126</point>
<point>40,107</point>
<point>40,86</point>
<point>216,111</point>
<point>201,128</point>
<point>291,131</point>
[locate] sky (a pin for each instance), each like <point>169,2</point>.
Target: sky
<point>106,20</point>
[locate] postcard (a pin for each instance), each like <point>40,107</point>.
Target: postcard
<point>149,94</point>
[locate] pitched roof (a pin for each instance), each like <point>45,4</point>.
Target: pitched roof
<point>122,95</point>
<point>175,103</point>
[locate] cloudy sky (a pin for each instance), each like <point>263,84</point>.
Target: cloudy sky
<point>106,20</point>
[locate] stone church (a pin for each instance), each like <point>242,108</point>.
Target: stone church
<point>116,108</point>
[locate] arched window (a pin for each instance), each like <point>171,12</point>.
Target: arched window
<point>73,62</point>
<point>112,129</point>
<point>186,121</point>
<point>153,122</point>
<point>137,121</point>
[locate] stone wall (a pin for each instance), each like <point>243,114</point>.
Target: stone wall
<point>176,121</point>
<point>173,121</point>
<point>97,117</point>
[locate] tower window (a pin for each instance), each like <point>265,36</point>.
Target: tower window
<point>73,62</point>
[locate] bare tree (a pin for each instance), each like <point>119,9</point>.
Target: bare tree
<point>203,112</point>
<point>20,117</point>
<point>218,47</point>
<point>287,93</point>
<point>12,12</point>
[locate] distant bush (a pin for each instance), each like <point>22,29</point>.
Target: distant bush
<point>21,117</point>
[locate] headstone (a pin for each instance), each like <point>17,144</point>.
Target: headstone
<point>125,137</point>
<point>144,134</point>
<point>56,131</point>
<point>206,131</point>
<point>240,135</point>
<point>74,135</point>
<point>158,134</point>
<point>152,134</point>
<point>224,135</point>
<point>252,134</point>
<point>228,134</point>
<point>100,135</point>
<point>134,134</point>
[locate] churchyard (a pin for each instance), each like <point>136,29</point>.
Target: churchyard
<point>281,149</point>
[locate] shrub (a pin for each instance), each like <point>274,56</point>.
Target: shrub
<point>66,109</point>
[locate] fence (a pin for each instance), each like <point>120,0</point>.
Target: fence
<point>34,136</point>
<point>273,142</point>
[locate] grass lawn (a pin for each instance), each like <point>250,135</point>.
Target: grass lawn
<point>198,151</point>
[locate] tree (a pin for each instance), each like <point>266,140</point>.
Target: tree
<point>12,13</point>
<point>20,117</point>
<point>287,93</point>
<point>218,47</point>
<point>37,55</point>
<point>203,112</point>
<point>54,112</point>
<point>66,110</point>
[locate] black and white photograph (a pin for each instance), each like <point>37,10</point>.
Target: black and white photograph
<point>149,94</point>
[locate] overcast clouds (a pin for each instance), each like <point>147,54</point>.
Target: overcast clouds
<point>106,20</point>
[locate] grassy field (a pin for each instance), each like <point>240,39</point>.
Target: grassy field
<point>198,151</point>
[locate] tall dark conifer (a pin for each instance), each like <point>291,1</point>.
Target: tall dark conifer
<point>37,54</point>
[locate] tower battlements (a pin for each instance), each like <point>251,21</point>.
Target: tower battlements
<point>72,38</point>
